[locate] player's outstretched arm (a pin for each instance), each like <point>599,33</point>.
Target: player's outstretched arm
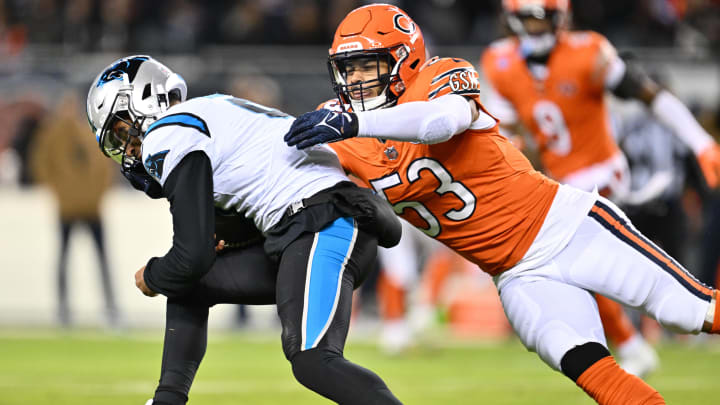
<point>428,122</point>
<point>672,113</point>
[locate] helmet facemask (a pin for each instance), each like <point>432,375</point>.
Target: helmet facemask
<point>115,138</point>
<point>385,84</point>
<point>535,44</point>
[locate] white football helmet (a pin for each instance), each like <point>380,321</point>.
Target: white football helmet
<point>135,89</point>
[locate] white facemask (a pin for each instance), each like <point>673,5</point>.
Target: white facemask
<point>537,45</point>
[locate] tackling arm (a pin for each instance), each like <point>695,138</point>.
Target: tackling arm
<point>427,122</point>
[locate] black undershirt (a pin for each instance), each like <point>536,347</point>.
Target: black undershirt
<point>189,188</point>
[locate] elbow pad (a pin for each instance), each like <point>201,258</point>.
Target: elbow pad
<point>437,128</point>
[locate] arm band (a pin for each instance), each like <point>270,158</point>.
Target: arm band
<point>427,122</point>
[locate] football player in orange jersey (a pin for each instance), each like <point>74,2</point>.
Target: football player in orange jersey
<point>419,136</point>
<point>553,82</point>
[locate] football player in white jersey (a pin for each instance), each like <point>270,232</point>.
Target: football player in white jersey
<point>228,154</point>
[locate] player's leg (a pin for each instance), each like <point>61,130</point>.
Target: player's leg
<point>183,349</point>
<point>536,303</point>
<point>634,354</point>
<point>316,278</point>
<point>399,273</point>
<point>620,263</point>
<point>244,276</point>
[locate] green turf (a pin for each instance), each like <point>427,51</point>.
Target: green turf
<point>91,368</point>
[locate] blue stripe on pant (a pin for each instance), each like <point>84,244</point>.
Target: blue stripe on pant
<point>331,250</point>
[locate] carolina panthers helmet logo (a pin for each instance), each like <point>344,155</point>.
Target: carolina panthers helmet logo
<point>154,163</point>
<point>127,66</point>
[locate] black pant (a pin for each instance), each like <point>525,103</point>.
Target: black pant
<point>96,231</point>
<point>321,268</point>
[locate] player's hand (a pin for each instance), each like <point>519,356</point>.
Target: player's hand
<point>321,126</point>
<point>140,283</point>
<point>709,160</point>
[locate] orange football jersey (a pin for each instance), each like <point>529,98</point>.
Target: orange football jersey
<point>476,193</point>
<point>566,112</point>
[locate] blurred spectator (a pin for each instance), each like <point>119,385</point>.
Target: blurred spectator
<point>259,88</point>
<point>64,158</point>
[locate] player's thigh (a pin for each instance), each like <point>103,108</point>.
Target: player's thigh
<point>316,278</point>
<point>244,276</point>
<point>609,256</point>
<point>549,316</point>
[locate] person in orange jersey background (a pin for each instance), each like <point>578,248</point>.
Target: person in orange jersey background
<point>553,82</point>
<point>415,131</point>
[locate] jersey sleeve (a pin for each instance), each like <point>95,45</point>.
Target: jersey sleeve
<point>170,139</point>
<point>608,68</point>
<point>453,76</point>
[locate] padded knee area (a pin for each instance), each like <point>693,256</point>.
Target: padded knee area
<point>580,358</point>
<point>312,364</point>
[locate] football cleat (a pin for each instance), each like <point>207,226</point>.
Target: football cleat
<point>637,357</point>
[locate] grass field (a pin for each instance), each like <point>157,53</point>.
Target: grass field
<point>77,368</point>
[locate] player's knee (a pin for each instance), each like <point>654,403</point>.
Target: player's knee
<point>676,318</point>
<point>580,358</point>
<point>310,366</point>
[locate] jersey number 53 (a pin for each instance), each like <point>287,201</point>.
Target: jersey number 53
<point>447,185</point>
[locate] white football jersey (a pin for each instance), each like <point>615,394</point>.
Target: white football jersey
<point>254,172</point>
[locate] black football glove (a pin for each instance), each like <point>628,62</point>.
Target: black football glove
<point>321,126</point>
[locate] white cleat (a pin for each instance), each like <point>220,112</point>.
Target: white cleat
<point>395,337</point>
<point>149,402</point>
<point>637,357</point>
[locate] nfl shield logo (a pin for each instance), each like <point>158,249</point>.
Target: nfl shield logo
<point>391,153</point>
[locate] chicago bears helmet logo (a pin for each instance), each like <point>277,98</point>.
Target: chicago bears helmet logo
<point>403,23</point>
<point>115,72</point>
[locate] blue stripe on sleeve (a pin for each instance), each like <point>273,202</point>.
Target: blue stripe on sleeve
<point>181,119</point>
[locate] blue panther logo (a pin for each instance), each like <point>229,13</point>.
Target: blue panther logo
<point>154,163</point>
<point>116,71</point>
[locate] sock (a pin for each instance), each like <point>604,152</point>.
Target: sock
<point>391,298</point>
<point>618,327</point>
<point>608,384</point>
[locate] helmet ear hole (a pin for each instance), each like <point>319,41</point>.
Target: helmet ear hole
<point>414,64</point>
<point>146,91</point>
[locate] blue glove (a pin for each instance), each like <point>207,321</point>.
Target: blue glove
<point>321,126</point>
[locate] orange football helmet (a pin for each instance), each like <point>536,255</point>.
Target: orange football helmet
<point>382,33</point>
<point>536,43</point>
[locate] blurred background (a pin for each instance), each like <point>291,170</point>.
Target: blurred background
<point>72,232</point>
